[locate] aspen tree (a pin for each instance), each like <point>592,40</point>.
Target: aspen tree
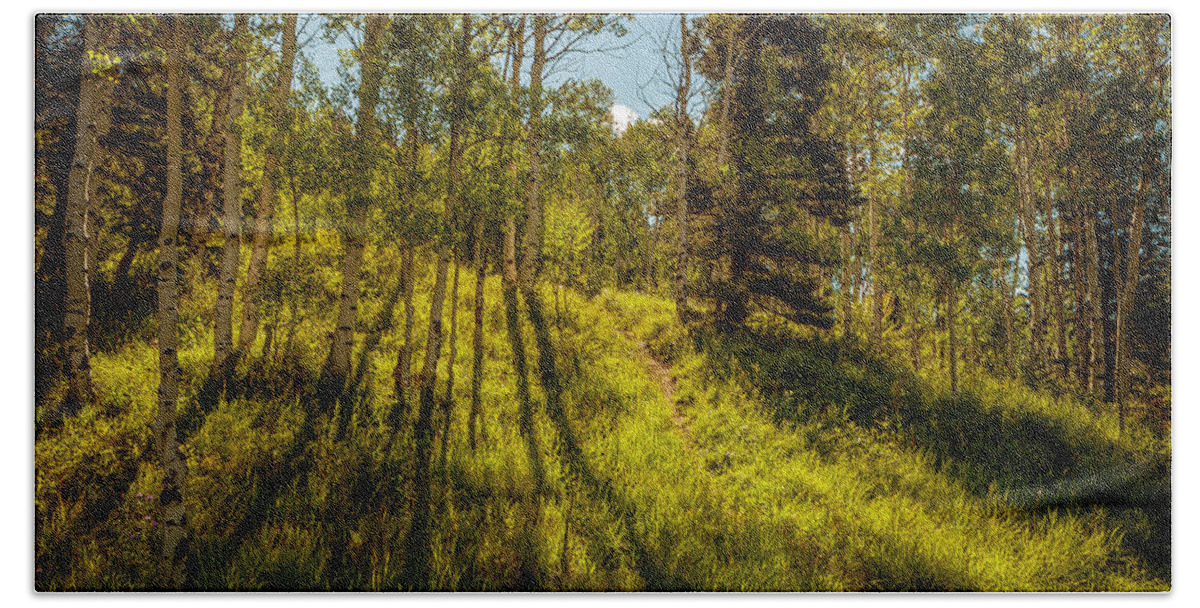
<point>265,207</point>
<point>231,220</point>
<point>170,458</point>
<point>91,112</point>
<point>683,123</point>
<point>337,365</point>
<point>416,565</point>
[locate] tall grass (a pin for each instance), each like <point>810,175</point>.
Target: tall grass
<point>846,483</point>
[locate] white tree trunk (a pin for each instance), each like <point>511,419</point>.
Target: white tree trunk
<point>231,220</point>
<point>171,497</point>
<point>265,208</point>
<point>357,204</point>
<point>89,117</point>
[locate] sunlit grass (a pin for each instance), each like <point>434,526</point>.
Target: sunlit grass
<point>724,487</point>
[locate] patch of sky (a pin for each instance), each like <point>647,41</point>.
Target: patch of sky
<point>632,65</point>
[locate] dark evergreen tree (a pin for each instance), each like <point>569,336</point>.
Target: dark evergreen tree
<point>787,177</point>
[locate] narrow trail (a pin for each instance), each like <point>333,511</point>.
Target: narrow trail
<point>662,374</point>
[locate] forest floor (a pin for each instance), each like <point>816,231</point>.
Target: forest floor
<point>706,462</point>
<point>868,498</point>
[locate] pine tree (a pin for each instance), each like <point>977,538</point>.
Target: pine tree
<point>786,176</point>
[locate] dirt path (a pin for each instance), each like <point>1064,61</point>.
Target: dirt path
<point>661,373</point>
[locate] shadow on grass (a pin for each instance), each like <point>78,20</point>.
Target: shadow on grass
<point>1037,458</point>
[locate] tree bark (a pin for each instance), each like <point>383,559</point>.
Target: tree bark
<point>402,375</point>
<point>1033,249</point>
<point>1095,307</point>
<point>89,118</point>
<point>1108,306</point>
<point>683,123</point>
<point>417,541</point>
<point>231,220</point>
<point>952,336</point>
<point>847,281</point>
<point>532,238</point>
<point>1079,284</point>
<point>510,280</point>
<point>1125,301</point>
<point>648,257</point>
<point>358,206</point>
<point>529,571</point>
<point>722,266</point>
<point>877,288</point>
<point>212,160</point>
<point>914,336</point>
<point>448,402</point>
<point>1137,219</point>
<point>547,358</point>
<point>173,547</point>
<point>265,208</point>
<point>1006,299</point>
<point>1058,305</point>
<point>477,337</point>
<point>50,265</point>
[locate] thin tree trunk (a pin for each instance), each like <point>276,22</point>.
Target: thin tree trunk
<point>1079,280</point>
<point>265,209</point>
<point>50,270</point>
<point>477,337</point>
<point>529,571</point>
<point>382,325</point>
<point>337,367</point>
<point>1133,247</point>
<point>402,374</point>
<point>1096,309</point>
<point>951,310</point>
<point>847,250</point>
<point>1125,302</point>
<point>547,364</point>
<point>914,335</point>
<point>89,118</point>
<point>722,268</point>
<point>171,497</point>
<point>1108,305</point>
<point>1085,259</point>
<point>877,288</point>
<point>683,123</point>
<point>294,317</point>
<point>417,541</point>
<point>1006,299</point>
<point>448,402</point>
<point>1033,248</point>
<point>231,220</point>
<point>212,160</point>
<point>1117,287</point>
<point>1061,354</point>
<point>532,238</point>
<point>648,258</point>
<point>510,280</point>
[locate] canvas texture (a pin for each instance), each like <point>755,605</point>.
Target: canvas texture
<point>602,302</point>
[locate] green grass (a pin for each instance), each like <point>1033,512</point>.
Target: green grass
<point>781,463</point>
<point>861,505</point>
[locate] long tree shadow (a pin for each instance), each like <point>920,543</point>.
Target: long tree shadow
<point>1034,460</point>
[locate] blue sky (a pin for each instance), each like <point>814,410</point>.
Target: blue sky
<point>631,65</point>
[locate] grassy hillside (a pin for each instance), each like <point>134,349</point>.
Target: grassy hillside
<point>761,461</point>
